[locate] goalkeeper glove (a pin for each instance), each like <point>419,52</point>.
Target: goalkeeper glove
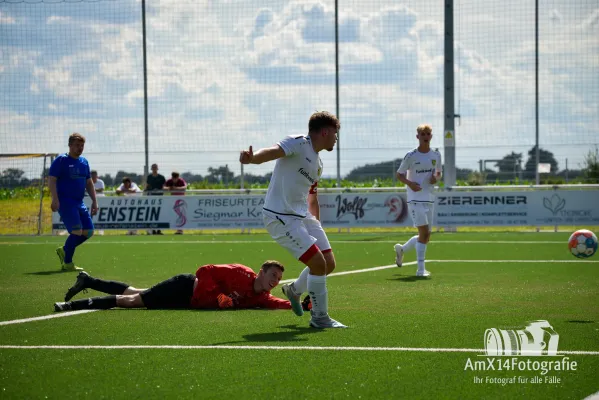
<point>224,301</point>
<point>307,303</point>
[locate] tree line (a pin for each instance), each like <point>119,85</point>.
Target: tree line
<point>510,168</point>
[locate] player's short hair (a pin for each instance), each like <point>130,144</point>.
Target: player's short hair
<point>154,165</point>
<point>94,172</point>
<point>175,174</point>
<point>323,119</point>
<point>126,179</point>
<point>76,136</point>
<point>424,128</point>
<point>268,264</point>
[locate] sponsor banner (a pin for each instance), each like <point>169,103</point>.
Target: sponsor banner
<point>238,211</point>
<point>533,208</point>
<point>556,207</point>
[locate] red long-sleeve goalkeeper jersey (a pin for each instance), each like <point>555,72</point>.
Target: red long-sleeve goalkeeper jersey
<point>234,280</point>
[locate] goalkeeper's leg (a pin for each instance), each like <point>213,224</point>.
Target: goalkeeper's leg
<point>101,303</point>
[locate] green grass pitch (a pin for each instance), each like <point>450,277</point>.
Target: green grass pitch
<point>408,338</point>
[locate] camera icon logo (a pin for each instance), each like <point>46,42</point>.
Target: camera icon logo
<point>538,338</point>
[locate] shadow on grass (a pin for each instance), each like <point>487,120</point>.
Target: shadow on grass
<point>409,278</point>
<point>580,321</point>
<point>291,335</point>
<point>52,272</point>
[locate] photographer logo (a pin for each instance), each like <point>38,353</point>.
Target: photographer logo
<point>538,338</point>
<point>505,348</point>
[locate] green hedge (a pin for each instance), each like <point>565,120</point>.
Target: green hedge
<point>33,192</point>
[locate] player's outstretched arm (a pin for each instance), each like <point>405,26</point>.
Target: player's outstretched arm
<point>274,303</point>
<point>261,156</point>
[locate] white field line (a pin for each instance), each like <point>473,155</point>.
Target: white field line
<point>273,242</point>
<point>50,316</point>
<point>300,348</point>
<point>67,314</point>
<point>357,271</point>
<point>594,396</point>
<point>574,260</point>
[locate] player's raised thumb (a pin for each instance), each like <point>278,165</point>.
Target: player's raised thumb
<point>251,151</point>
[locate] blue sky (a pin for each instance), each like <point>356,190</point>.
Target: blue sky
<point>230,73</point>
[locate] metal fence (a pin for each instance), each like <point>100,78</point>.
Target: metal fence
<point>188,84</point>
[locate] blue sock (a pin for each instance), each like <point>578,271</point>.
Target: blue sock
<point>69,247</point>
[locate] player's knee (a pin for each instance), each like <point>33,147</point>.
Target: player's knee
<point>89,233</point>
<point>330,261</point>
<point>129,301</point>
<point>316,263</point>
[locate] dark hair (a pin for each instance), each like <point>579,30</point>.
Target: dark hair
<point>323,119</point>
<point>126,179</point>
<point>94,172</point>
<point>76,136</point>
<point>154,165</point>
<point>268,264</point>
<point>175,174</point>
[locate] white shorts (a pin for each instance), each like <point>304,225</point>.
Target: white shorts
<point>422,214</point>
<point>296,235</point>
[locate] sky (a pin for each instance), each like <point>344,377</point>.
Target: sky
<point>226,74</point>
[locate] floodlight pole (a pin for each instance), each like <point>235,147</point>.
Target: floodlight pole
<point>146,146</point>
<point>449,136</point>
<point>337,89</point>
<point>537,150</point>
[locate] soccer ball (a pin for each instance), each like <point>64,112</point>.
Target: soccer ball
<point>583,243</point>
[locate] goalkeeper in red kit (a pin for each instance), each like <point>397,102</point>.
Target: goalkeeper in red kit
<point>212,287</point>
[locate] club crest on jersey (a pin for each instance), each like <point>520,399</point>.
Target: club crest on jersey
<point>319,171</point>
<point>434,162</point>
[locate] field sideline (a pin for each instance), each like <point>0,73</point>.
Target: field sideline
<point>408,337</point>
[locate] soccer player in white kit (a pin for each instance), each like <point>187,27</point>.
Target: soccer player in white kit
<point>420,169</point>
<point>291,212</point>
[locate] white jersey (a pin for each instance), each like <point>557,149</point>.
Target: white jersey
<point>99,184</point>
<point>134,187</point>
<point>294,176</point>
<point>420,168</point>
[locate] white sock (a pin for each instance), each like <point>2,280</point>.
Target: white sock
<point>301,283</point>
<point>410,243</point>
<point>317,287</point>
<point>420,253</point>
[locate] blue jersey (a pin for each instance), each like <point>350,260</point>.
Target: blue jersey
<point>71,175</point>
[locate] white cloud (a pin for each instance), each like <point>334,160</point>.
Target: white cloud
<point>57,19</point>
<point>6,19</point>
<point>223,76</point>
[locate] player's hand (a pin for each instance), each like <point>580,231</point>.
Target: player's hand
<point>246,156</point>
<point>433,179</point>
<point>307,303</point>
<point>414,186</point>
<point>55,205</point>
<point>224,301</point>
<point>94,209</point>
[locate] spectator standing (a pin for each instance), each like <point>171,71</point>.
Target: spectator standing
<point>177,186</point>
<point>129,188</point>
<point>154,184</point>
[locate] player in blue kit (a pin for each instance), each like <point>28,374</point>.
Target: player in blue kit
<point>68,178</point>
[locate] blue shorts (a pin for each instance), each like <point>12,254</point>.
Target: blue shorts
<point>75,217</point>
